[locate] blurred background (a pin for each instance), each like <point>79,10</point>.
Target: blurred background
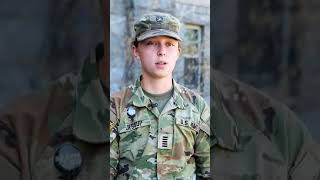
<point>41,40</point>
<point>272,45</point>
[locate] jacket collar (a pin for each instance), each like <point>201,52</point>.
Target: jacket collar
<point>139,99</point>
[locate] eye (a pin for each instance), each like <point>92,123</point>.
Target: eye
<point>149,43</point>
<point>170,44</point>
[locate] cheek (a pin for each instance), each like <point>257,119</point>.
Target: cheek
<point>146,63</point>
<point>174,52</point>
<point>146,54</point>
<point>174,56</point>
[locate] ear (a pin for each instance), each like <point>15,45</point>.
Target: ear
<point>134,51</point>
<point>179,51</point>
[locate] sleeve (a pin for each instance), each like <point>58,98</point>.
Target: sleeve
<point>114,142</point>
<point>307,164</point>
<point>202,146</point>
<point>304,150</point>
<point>9,156</point>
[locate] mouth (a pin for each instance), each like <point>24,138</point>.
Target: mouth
<point>161,63</point>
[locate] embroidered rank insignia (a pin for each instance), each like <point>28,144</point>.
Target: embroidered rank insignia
<point>165,141</point>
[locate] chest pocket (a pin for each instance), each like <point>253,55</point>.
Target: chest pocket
<point>133,134</point>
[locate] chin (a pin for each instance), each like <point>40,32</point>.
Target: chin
<point>160,76</point>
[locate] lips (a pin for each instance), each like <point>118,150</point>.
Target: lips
<point>161,63</point>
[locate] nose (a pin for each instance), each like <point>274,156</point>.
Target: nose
<point>161,50</point>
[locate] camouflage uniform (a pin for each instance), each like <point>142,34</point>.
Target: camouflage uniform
<point>71,112</point>
<point>173,144</point>
<point>256,137</point>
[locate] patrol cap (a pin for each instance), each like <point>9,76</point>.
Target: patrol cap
<point>157,24</point>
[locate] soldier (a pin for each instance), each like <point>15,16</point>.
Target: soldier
<point>159,129</point>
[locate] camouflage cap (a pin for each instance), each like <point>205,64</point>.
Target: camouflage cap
<point>157,24</point>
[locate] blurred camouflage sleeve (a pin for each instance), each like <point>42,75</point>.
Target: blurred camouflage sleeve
<point>114,145</point>
<point>202,145</point>
<point>303,152</point>
<point>9,154</point>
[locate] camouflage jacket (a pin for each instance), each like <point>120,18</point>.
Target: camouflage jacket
<point>256,137</point>
<point>146,144</point>
<point>61,126</point>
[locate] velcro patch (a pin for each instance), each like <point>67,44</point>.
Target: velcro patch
<point>186,121</point>
<point>165,141</point>
<point>134,125</point>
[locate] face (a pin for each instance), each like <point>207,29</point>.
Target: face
<point>158,56</point>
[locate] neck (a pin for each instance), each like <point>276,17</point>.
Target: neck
<point>157,86</point>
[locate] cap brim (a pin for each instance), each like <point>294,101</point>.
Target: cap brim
<point>158,32</point>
